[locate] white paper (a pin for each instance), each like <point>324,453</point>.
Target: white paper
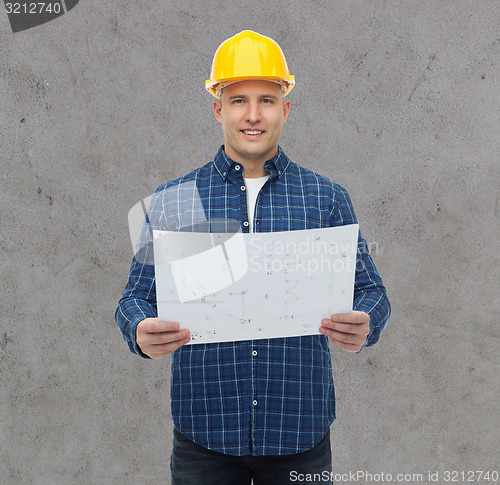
<point>225,287</point>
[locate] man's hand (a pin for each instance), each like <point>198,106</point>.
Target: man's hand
<point>347,331</point>
<point>157,339</point>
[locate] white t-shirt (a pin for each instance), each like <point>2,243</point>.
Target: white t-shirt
<point>253,188</point>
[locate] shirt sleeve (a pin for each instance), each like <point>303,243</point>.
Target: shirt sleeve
<point>370,295</point>
<point>137,303</point>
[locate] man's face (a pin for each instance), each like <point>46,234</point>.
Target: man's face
<point>252,114</point>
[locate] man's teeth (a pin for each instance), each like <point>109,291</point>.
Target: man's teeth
<point>252,132</point>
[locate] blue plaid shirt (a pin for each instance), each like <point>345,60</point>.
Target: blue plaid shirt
<point>260,397</point>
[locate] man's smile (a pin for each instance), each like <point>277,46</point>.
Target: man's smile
<point>252,133</point>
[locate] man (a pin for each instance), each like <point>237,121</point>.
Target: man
<point>257,409</point>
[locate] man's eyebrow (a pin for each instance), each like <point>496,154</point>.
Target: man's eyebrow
<point>243,96</point>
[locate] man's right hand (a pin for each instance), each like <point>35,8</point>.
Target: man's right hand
<point>157,339</point>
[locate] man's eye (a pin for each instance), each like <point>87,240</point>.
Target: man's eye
<point>237,101</point>
<point>267,101</point>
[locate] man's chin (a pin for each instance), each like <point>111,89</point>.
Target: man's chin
<point>251,152</point>
<point>257,154</point>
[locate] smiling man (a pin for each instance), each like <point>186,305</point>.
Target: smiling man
<point>254,410</point>
<point>252,120</point>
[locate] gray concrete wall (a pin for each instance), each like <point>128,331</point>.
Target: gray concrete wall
<point>396,100</point>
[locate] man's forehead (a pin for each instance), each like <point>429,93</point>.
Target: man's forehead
<point>252,86</point>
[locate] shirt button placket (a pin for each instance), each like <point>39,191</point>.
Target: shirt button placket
<point>242,189</point>
<point>255,391</point>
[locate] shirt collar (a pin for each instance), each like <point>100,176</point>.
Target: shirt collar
<point>276,166</point>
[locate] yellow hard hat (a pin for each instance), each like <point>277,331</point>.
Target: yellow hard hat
<point>249,55</point>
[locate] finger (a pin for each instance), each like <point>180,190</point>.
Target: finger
<point>160,350</point>
<point>344,346</point>
<point>346,338</point>
<point>167,337</point>
<point>158,326</point>
<point>349,342</point>
<point>353,317</point>
<point>147,340</point>
<point>341,326</point>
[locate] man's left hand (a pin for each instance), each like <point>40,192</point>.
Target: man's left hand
<point>347,331</point>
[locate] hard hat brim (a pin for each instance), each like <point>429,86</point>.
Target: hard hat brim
<point>212,85</point>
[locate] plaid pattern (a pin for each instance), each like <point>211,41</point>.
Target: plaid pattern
<point>261,397</point>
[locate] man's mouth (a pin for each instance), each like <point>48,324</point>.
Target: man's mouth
<point>252,132</point>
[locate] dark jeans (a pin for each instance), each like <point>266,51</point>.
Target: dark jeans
<point>192,464</point>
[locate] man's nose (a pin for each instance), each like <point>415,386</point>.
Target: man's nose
<point>253,114</point>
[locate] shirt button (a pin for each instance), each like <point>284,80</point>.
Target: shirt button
<point>245,223</point>
<point>224,174</point>
<point>242,187</point>
<point>254,353</point>
<point>255,402</point>
<point>237,167</point>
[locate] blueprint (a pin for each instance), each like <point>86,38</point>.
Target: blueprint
<point>236,286</point>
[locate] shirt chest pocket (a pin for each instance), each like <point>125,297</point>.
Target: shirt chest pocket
<point>300,220</point>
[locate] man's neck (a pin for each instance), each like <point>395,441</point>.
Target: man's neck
<point>251,168</point>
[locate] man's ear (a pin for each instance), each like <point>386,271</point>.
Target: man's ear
<point>286,109</point>
<point>217,110</point>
